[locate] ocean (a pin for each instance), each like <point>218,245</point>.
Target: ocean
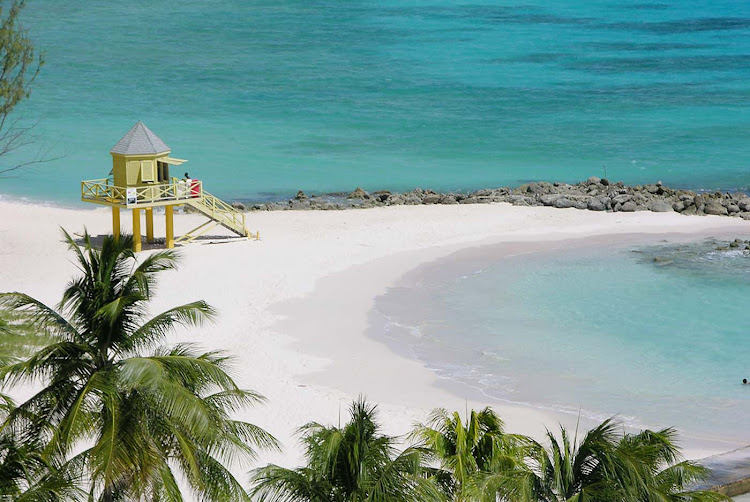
<point>265,98</point>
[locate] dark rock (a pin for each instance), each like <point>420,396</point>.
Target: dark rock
<point>300,195</point>
<point>563,203</point>
<point>629,207</point>
<point>395,200</point>
<point>412,199</point>
<point>469,200</point>
<point>322,205</point>
<point>432,198</point>
<point>549,199</point>
<point>596,204</point>
<point>621,199</point>
<point>299,204</point>
<point>358,193</point>
<point>534,188</point>
<point>448,199</point>
<point>239,205</point>
<point>715,208</point>
<point>690,210</point>
<point>520,200</point>
<point>660,206</point>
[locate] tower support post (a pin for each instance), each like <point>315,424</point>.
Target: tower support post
<point>169,210</point>
<point>116,222</point>
<point>136,230</point>
<point>150,224</point>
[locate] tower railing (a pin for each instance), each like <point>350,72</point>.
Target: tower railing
<point>104,191</point>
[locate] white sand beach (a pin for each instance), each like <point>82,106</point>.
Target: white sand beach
<point>293,306</point>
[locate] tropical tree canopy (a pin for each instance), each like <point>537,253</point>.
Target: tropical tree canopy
<point>352,463</point>
<point>130,414</point>
<point>25,473</point>
<point>606,465</point>
<point>465,449</point>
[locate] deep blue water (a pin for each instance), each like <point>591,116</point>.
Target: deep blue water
<point>265,98</point>
<point>602,331</point>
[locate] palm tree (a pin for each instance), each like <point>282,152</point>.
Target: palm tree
<point>465,449</point>
<point>25,473</point>
<point>347,464</point>
<point>604,466</point>
<point>17,339</point>
<point>589,470</point>
<point>135,416</point>
<point>665,477</point>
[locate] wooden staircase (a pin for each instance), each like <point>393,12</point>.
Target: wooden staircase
<point>220,213</point>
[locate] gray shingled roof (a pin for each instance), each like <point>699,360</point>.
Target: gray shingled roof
<point>140,141</point>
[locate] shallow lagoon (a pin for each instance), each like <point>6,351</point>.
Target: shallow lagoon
<point>657,333</point>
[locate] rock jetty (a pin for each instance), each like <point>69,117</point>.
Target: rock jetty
<point>594,194</point>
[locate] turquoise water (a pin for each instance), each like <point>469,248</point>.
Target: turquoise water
<point>601,332</point>
<point>265,98</point>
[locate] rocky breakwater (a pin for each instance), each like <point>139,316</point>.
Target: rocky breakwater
<point>594,194</point>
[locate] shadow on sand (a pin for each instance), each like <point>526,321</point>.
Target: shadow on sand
<point>158,243</point>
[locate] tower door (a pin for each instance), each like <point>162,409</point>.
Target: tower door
<point>162,171</point>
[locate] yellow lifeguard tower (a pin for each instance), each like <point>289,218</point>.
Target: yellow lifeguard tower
<point>140,180</point>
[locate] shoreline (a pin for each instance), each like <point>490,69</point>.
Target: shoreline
<point>385,273</point>
<point>593,194</point>
<point>468,261</point>
<point>263,292</point>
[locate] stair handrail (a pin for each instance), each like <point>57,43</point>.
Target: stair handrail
<point>221,210</point>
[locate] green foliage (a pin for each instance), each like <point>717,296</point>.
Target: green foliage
<point>17,339</point>
<point>19,66</point>
<point>128,413</point>
<point>466,449</point>
<point>20,63</point>
<point>604,466</point>
<point>349,464</point>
